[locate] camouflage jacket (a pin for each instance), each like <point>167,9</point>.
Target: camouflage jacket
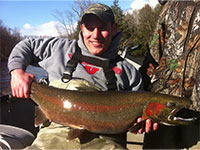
<point>176,50</point>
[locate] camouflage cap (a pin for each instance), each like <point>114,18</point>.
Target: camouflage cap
<point>102,11</point>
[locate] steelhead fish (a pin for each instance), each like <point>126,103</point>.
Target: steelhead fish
<point>107,112</point>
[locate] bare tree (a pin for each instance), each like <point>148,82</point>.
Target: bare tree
<point>69,19</point>
<point>80,6</point>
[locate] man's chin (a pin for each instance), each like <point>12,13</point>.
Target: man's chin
<point>96,51</point>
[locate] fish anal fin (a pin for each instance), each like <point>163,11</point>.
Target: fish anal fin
<point>74,133</point>
<point>7,91</point>
<point>40,117</point>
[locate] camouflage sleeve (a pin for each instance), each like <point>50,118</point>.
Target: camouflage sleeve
<point>176,48</point>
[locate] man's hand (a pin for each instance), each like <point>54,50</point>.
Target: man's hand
<point>20,83</point>
<point>147,126</point>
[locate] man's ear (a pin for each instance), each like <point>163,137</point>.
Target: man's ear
<point>81,26</point>
<point>114,29</point>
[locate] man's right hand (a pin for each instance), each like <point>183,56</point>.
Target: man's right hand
<point>20,83</point>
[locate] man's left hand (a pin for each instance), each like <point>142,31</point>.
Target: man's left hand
<point>148,126</point>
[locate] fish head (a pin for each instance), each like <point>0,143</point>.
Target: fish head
<point>169,110</point>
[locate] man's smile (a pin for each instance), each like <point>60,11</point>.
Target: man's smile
<point>96,43</point>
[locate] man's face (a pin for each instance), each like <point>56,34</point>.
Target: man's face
<point>97,36</point>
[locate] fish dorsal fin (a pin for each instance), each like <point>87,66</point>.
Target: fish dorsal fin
<point>75,84</point>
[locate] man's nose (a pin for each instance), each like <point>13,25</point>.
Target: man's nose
<point>96,33</point>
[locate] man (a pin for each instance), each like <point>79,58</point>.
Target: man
<point>93,58</point>
<point>173,67</point>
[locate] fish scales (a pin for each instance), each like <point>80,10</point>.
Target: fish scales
<point>105,112</point>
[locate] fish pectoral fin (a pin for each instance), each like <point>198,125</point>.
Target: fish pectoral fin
<point>40,117</point>
<point>7,91</point>
<point>138,126</point>
<point>74,133</point>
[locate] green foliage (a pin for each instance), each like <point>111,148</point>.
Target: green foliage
<point>147,24</point>
<point>118,12</point>
<point>122,25</point>
<point>137,27</point>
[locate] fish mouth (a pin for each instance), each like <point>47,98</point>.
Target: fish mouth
<point>183,116</point>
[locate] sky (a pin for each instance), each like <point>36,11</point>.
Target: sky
<point>37,17</point>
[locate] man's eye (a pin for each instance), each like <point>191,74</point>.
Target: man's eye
<point>90,28</point>
<point>103,28</point>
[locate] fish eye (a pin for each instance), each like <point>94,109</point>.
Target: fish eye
<point>171,104</point>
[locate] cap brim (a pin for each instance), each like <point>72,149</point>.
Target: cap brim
<point>104,17</point>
